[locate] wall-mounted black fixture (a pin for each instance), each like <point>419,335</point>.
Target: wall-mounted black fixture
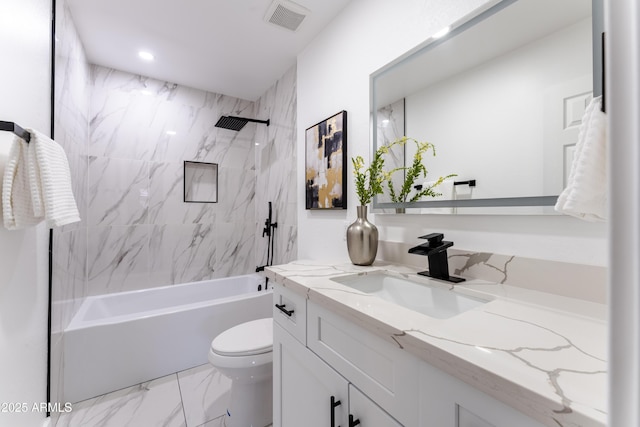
<point>268,230</point>
<point>17,130</point>
<point>470,183</point>
<point>436,251</point>
<point>237,123</point>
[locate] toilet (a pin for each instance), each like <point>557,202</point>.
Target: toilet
<point>244,353</point>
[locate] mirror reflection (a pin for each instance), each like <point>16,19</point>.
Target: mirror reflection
<point>501,97</point>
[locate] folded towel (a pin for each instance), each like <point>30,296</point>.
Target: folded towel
<point>17,206</point>
<point>585,194</point>
<point>36,185</point>
<point>51,191</point>
<point>4,158</point>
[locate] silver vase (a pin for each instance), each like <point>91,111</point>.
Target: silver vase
<point>362,239</point>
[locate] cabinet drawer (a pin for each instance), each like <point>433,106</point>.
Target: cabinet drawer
<point>290,312</point>
<point>381,370</point>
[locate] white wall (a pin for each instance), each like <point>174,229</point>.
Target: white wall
<point>25,88</point>
<point>333,74</point>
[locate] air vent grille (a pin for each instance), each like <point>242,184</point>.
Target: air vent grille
<point>286,14</point>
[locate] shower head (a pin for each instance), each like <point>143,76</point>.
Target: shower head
<point>236,123</point>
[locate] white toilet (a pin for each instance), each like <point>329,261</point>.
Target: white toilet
<point>244,353</point>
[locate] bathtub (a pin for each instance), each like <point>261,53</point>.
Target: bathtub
<point>119,340</point>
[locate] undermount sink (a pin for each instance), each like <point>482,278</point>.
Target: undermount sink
<point>433,301</point>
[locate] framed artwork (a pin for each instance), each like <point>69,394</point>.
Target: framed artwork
<point>326,158</point>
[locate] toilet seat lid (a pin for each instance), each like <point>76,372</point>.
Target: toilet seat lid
<point>254,337</point>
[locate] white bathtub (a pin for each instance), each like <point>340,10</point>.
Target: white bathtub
<point>118,340</point>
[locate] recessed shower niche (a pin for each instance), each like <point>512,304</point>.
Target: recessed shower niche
<point>200,182</point>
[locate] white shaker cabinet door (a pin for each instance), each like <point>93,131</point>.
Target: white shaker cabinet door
<point>304,386</point>
<point>363,409</point>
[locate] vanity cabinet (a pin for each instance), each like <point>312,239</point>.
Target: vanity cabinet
<point>304,386</point>
<point>374,380</point>
<point>310,393</point>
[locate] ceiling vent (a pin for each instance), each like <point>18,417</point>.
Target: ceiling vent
<point>286,14</point>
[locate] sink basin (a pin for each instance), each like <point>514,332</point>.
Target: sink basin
<point>433,301</point>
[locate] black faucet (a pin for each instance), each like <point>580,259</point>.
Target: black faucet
<point>436,250</point>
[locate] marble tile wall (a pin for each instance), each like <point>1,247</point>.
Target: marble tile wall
<point>586,282</point>
<point>141,233</point>
<point>276,169</point>
<point>136,232</point>
<point>71,131</point>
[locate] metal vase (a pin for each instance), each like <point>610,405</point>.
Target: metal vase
<point>362,239</point>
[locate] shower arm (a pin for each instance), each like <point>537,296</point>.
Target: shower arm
<point>264,122</point>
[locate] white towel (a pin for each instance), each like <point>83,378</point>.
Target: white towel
<point>17,206</point>
<point>37,185</point>
<point>585,194</point>
<point>4,158</point>
<point>51,171</point>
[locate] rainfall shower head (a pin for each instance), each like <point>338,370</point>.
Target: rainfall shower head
<point>236,123</point>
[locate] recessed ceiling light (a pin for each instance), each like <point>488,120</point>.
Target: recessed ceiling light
<point>443,32</point>
<point>171,132</point>
<point>147,56</point>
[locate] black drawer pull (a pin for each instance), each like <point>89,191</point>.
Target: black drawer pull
<point>352,422</point>
<point>282,308</point>
<point>334,403</point>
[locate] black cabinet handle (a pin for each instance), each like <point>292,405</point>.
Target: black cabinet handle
<point>282,308</point>
<point>334,403</point>
<point>352,422</point>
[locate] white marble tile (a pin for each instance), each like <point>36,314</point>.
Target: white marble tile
<point>166,198</point>
<point>71,131</point>
<point>276,168</point>
<point>119,191</point>
<point>154,403</point>
<point>235,245</point>
<point>182,253</point>
<point>72,89</point>
<point>587,282</point>
<point>132,114</point>
<point>236,195</point>
<point>205,394</point>
<point>69,275</point>
<point>118,258</point>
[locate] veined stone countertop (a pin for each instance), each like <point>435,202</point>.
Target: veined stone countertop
<point>542,354</point>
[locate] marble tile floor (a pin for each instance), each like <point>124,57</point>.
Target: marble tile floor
<point>197,397</point>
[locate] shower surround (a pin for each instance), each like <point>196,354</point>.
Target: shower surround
<point>142,233</point>
<point>136,231</point>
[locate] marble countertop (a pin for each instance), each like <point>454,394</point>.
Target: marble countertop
<point>540,353</point>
